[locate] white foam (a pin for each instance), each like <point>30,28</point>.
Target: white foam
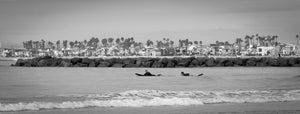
<point>140,98</point>
<point>99,103</point>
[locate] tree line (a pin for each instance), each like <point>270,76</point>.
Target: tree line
<point>125,43</point>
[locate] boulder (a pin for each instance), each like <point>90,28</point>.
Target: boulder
<point>251,62</point>
<point>282,62</point>
<point>184,62</point>
<point>210,62</point>
<point>170,64</point>
<point>202,60</point>
<point>43,63</point>
<point>238,62</point>
<point>76,60</point>
<point>228,62</point>
<point>92,64</point>
<point>157,64</point>
<point>220,62</point>
<point>65,63</point>
<point>86,60</point>
<point>194,63</point>
<point>20,62</point>
<point>128,61</point>
<point>118,65</point>
<point>147,64</point>
<point>104,64</point>
<point>131,65</point>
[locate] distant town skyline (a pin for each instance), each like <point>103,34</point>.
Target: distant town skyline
<point>201,20</point>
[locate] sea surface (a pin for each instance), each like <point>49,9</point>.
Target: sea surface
<point>56,88</point>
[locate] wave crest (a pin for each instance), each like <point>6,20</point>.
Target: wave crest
<point>140,98</point>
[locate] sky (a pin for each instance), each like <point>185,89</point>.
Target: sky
<point>201,20</point>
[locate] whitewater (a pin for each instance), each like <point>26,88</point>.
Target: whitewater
<point>140,98</point>
<point>34,89</point>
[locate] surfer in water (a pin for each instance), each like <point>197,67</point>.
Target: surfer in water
<point>188,74</point>
<point>147,73</point>
<point>185,74</point>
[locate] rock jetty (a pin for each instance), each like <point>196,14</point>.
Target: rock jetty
<point>160,62</point>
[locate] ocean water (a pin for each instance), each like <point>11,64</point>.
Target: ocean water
<point>51,88</point>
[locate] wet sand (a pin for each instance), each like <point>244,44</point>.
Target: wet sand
<point>245,108</point>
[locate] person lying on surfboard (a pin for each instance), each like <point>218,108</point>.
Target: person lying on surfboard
<point>147,73</point>
<point>188,74</point>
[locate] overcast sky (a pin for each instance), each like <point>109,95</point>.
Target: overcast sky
<point>201,20</point>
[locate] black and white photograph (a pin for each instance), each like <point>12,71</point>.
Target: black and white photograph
<point>149,56</point>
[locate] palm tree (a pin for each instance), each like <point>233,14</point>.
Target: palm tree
<point>122,39</point>
<point>110,40</point>
<point>104,41</point>
<point>149,42</point>
<point>65,44</point>
<point>297,37</point>
<point>226,43</point>
<point>247,38</point>
<point>85,42</point>
<point>43,44</point>
<point>179,43</point>
<point>71,44</point>
<point>238,42</point>
<point>58,44</point>
<point>196,43</point>
<point>172,43</point>
<point>118,41</point>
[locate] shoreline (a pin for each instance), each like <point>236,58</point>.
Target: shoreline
<point>236,108</point>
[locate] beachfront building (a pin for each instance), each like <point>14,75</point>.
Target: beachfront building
<point>289,50</point>
<point>265,51</point>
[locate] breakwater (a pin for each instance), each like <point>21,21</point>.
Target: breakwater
<point>160,62</point>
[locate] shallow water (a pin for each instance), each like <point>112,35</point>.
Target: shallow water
<point>50,88</point>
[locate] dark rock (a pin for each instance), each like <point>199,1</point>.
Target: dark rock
<point>104,64</point>
<point>147,64</point>
<point>238,62</point>
<point>118,65</point>
<point>228,62</point>
<point>42,63</point>
<point>157,64</point>
<point>291,61</point>
<point>297,60</point>
<point>139,62</point>
<point>296,65</point>
<point>65,63</point>
<point>202,60</point>
<point>131,65</point>
<point>98,60</point>
<point>86,60</point>
<point>170,64</point>
<point>80,65</point>
<point>251,62</point>
<point>282,62</point>
<point>184,62</point>
<point>163,62</point>
<point>128,61</point>
<point>76,60</point>
<point>194,63</point>
<point>219,62</point>
<point>20,62</point>
<point>92,64</point>
<point>210,62</point>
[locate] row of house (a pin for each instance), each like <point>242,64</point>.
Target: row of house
<point>200,50</point>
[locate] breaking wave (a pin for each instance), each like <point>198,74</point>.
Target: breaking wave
<point>141,98</point>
